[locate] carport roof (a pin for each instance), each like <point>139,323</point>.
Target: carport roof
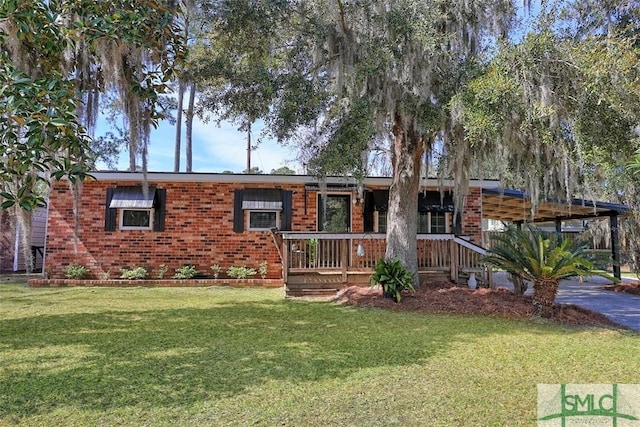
<point>515,206</point>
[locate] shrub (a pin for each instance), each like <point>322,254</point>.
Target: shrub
<point>242,272</point>
<point>134,273</point>
<point>76,271</point>
<point>263,269</point>
<point>162,270</point>
<point>393,277</point>
<point>216,270</point>
<point>186,272</point>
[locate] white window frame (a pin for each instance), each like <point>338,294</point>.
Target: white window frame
<point>248,219</point>
<point>126,227</point>
<point>447,222</point>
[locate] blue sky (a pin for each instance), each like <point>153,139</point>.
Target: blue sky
<point>215,149</point>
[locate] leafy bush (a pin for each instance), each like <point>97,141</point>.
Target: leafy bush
<point>263,269</point>
<point>393,277</point>
<point>76,271</point>
<point>162,270</point>
<point>216,268</point>
<point>241,272</point>
<point>186,272</point>
<point>136,273</point>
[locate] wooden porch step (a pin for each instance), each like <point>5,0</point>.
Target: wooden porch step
<point>324,293</point>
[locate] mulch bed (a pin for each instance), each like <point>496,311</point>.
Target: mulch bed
<point>452,299</point>
<point>627,287</point>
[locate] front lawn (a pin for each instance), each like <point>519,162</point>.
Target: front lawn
<point>222,356</point>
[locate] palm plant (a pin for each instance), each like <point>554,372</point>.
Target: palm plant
<point>542,259</point>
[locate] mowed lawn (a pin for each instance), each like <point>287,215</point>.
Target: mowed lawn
<point>222,356</point>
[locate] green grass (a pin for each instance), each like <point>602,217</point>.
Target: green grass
<point>220,356</point>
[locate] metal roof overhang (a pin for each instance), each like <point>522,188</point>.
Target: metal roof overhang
<point>515,206</point>
<point>133,198</point>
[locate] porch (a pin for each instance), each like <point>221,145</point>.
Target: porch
<point>319,264</point>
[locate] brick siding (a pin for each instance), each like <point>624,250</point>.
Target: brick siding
<point>198,229</point>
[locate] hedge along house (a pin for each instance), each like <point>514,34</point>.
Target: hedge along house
<point>331,232</point>
<point>315,237</point>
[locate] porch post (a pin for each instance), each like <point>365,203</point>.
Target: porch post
<point>558,225</point>
<point>345,255</point>
<point>285,261</point>
<point>453,258</point>
<point>615,245</point>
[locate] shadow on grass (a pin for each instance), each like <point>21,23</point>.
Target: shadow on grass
<point>176,357</point>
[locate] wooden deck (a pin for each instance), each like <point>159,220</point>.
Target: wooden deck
<point>319,264</point>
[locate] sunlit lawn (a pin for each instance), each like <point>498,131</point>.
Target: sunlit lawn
<point>219,356</point>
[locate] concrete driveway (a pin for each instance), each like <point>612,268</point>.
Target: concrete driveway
<point>620,307</point>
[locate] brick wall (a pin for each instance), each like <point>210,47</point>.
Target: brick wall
<point>472,216</point>
<point>198,229</point>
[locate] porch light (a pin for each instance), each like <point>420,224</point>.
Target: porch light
<point>360,250</point>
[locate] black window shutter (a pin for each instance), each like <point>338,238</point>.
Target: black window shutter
<point>161,207</point>
<point>238,213</point>
<point>287,210</point>
<point>369,205</point>
<point>109,214</point>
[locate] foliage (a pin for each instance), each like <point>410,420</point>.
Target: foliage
<point>136,273</point>
<point>263,269</point>
<point>76,271</point>
<point>542,259</point>
<point>241,272</point>
<point>104,348</point>
<point>162,270</point>
<point>216,268</point>
<point>283,170</point>
<point>57,58</point>
<point>393,277</point>
<point>185,272</point>
<point>352,74</point>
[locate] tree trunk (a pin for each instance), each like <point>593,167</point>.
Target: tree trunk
<point>189,136</point>
<point>402,220</point>
<point>24,222</point>
<point>176,151</point>
<point>544,296</point>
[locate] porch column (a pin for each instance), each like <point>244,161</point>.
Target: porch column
<point>558,225</point>
<point>615,245</point>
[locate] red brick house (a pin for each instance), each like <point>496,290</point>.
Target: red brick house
<point>226,219</point>
<point>328,233</point>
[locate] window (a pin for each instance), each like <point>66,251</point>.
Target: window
<point>136,219</point>
<point>263,220</point>
<point>433,222</point>
<point>334,213</point>
<point>423,222</point>
<point>260,209</point>
<point>133,208</point>
<point>382,222</point>
<point>438,222</point>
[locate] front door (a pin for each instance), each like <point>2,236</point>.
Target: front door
<point>334,213</point>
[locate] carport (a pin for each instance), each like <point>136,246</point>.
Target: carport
<point>516,207</point>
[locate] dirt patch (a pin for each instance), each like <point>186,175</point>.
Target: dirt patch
<point>626,287</point>
<point>449,298</point>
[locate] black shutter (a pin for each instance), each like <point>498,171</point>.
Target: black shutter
<point>160,209</point>
<point>368,211</point>
<point>109,214</point>
<point>238,213</point>
<point>287,210</point>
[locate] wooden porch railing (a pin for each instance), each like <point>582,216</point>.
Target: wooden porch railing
<point>357,254</point>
